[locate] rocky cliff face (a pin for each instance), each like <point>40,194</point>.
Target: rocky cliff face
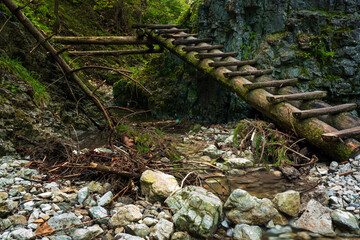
<point>317,41</point>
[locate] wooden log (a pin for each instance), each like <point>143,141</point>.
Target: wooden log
<point>156,26</point>
<point>201,48</point>
<point>114,52</point>
<point>346,133</point>
<point>275,83</point>
<point>215,55</point>
<point>192,41</point>
<point>62,63</point>
<point>180,35</point>
<point>106,40</point>
<point>311,129</point>
<point>232,63</point>
<point>247,73</point>
<point>171,30</point>
<point>296,96</point>
<point>304,114</point>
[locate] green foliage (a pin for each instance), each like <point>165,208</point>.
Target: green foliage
<point>14,66</point>
<point>267,144</point>
<point>321,53</point>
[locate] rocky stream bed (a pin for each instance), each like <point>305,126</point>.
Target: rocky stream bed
<point>263,204</point>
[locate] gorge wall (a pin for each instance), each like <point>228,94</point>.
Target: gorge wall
<point>317,41</point>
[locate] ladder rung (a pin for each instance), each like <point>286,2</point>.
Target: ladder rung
<point>200,48</point>
<point>191,41</point>
<point>232,63</point>
<point>347,133</point>
<point>113,52</point>
<point>324,111</point>
<point>156,26</point>
<point>214,55</point>
<point>275,83</point>
<point>247,73</point>
<point>171,30</point>
<point>180,35</point>
<point>296,96</point>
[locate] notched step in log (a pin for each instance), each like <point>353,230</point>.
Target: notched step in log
<point>171,30</point>
<point>215,55</point>
<point>347,133</point>
<point>156,26</point>
<point>275,83</point>
<point>201,48</point>
<point>232,63</point>
<point>247,73</point>
<point>296,96</point>
<point>191,41</point>
<point>324,111</point>
<point>180,35</point>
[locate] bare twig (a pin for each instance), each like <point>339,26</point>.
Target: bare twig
<point>7,20</point>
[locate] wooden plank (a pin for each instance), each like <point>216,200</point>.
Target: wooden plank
<point>275,83</point>
<point>296,96</point>
<point>201,48</point>
<point>192,41</point>
<point>214,55</point>
<point>247,73</point>
<point>171,30</point>
<point>104,40</point>
<point>156,26</point>
<point>324,111</point>
<point>347,133</point>
<point>180,35</point>
<point>232,63</point>
<point>114,52</point>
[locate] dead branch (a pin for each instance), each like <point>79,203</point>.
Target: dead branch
<point>3,26</point>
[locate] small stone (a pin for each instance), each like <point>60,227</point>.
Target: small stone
<point>125,236</point>
<point>157,186</point>
<point>316,218</point>
<point>288,202</point>
<point>279,230</point>
<point>303,236</point>
<point>345,220</point>
<point>239,163</point>
<point>82,195</point>
<point>345,168</point>
<point>150,221</point>
<point>140,230</point>
<point>125,215</point>
<point>95,187</point>
<point>333,166</point>
<point>180,236</point>
<point>162,230</point>
<point>105,199</point>
<point>95,231</point>
<point>99,212</point>
<point>18,220</point>
<point>45,195</point>
<point>3,195</point>
<point>81,234</point>
<point>29,205</point>
<point>246,232</point>
<point>22,233</point>
<point>63,220</point>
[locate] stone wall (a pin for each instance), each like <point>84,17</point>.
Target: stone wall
<point>316,41</point>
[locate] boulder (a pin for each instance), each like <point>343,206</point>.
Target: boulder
<point>199,211</point>
<point>125,215</point>
<point>105,199</point>
<point>242,208</point>
<point>157,186</point>
<point>246,232</point>
<point>345,220</point>
<point>162,230</point>
<point>82,195</point>
<point>316,218</point>
<point>288,202</point>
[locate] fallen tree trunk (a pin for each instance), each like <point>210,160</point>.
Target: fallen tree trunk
<point>16,11</point>
<point>311,129</point>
